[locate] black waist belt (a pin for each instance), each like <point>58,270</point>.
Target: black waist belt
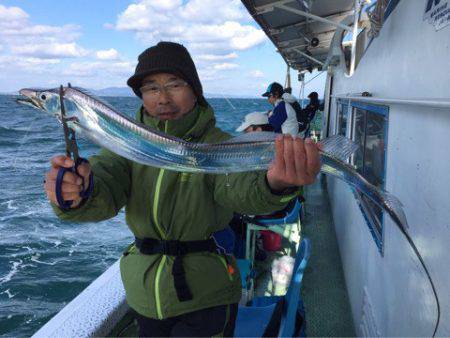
<point>151,246</point>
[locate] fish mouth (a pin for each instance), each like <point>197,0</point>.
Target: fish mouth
<point>30,98</point>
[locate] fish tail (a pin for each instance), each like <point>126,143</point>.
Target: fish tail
<point>395,209</point>
<point>339,146</point>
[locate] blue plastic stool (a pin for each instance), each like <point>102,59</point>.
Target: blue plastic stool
<point>252,320</point>
<point>291,217</point>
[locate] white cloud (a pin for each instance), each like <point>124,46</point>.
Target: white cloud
<point>167,5</point>
<point>12,16</point>
<point>218,57</point>
<point>210,75</point>
<point>27,65</point>
<point>35,61</point>
<point>50,50</point>
<point>28,50</point>
<point>214,27</point>
<point>213,31</point>
<point>110,54</point>
<point>225,66</point>
<point>212,11</point>
<point>43,32</point>
<point>256,73</point>
<point>98,68</point>
<point>37,41</point>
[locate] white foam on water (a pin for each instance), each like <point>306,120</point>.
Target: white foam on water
<point>12,272</point>
<point>9,205</point>
<point>73,247</point>
<point>7,292</point>
<point>28,265</point>
<point>9,217</point>
<point>35,257</point>
<point>50,225</point>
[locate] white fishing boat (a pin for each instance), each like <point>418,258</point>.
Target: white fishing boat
<point>387,88</point>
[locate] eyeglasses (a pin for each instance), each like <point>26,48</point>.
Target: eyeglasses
<point>172,87</point>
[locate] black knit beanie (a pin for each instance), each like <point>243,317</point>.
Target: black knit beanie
<point>167,57</point>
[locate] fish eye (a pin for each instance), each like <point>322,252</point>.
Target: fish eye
<point>43,97</point>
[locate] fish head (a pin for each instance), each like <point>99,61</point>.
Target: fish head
<point>43,99</point>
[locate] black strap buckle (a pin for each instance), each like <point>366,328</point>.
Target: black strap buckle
<point>172,248</point>
<point>178,249</point>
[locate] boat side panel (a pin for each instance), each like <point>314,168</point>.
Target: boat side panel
<point>408,60</point>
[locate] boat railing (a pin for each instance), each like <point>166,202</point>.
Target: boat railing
<point>94,312</point>
<point>441,103</point>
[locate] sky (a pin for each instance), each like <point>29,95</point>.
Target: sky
<point>95,44</point>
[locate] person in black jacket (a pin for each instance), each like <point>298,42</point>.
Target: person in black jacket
<point>306,115</point>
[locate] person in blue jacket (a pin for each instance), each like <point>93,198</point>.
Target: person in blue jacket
<point>283,117</point>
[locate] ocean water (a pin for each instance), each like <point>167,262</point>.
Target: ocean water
<point>44,262</point>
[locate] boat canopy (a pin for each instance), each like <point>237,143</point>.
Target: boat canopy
<point>303,31</point>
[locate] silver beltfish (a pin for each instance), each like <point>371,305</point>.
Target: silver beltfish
<point>105,126</point>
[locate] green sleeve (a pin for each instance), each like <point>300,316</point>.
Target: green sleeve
<point>112,182</point>
<point>248,193</point>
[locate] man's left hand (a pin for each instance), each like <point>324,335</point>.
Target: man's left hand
<point>296,163</point>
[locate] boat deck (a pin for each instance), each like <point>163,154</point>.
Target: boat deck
<point>324,292</point>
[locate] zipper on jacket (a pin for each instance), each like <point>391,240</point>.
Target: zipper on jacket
<point>158,275</point>
<point>156,204</point>
<point>163,236</point>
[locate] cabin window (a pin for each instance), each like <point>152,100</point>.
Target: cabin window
<point>342,118</point>
<point>369,130</point>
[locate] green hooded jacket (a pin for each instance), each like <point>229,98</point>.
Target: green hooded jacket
<point>174,205</point>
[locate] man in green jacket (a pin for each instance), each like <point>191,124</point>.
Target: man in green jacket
<point>174,278</point>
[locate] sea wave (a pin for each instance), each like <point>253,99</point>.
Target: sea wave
<point>8,293</point>
<point>35,258</point>
<point>14,269</point>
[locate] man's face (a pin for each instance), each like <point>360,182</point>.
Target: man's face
<point>167,97</point>
<point>272,98</point>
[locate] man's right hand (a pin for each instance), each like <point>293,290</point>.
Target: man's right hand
<point>72,184</point>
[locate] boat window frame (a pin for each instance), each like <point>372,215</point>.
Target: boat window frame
<point>340,103</point>
<point>377,231</point>
<point>369,213</point>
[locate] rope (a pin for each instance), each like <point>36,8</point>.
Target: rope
<point>314,77</point>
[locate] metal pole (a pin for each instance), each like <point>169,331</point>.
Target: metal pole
<point>302,92</point>
<point>312,16</point>
<point>287,83</point>
<point>354,37</point>
<point>309,57</point>
<point>327,104</point>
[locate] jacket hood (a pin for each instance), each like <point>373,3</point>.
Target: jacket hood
<point>289,98</point>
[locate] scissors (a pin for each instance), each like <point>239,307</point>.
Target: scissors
<point>72,152</point>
